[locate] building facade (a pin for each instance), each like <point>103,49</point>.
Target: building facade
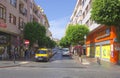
<point>13,16</point>
<point>101,41</point>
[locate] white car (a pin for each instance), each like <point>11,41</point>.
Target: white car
<point>65,52</point>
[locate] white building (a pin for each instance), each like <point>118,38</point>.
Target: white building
<point>81,14</point>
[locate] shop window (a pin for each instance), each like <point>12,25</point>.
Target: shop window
<point>13,2</point>
<point>2,12</point>
<point>12,19</point>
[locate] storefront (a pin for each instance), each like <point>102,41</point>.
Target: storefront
<point>4,45</point>
<point>8,42</point>
<point>101,43</point>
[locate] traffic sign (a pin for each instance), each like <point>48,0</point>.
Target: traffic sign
<point>27,42</point>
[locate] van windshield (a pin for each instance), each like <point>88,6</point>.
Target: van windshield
<point>41,52</point>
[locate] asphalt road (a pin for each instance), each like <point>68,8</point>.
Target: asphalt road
<point>59,67</point>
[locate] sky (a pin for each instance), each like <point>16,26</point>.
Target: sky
<point>58,13</point>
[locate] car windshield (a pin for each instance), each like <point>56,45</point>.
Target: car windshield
<point>41,52</point>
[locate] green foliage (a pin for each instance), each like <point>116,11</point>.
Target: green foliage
<point>75,33</point>
<point>34,31</point>
<point>106,12</point>
<point>49,43</point>
<point>64,42</point>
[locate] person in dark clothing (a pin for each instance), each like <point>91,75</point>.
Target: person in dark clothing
<point>26,54</point>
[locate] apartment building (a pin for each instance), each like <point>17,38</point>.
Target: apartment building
<point>13,16</point>
<point>76,17</point>
<point>101,41</point>
<point>37,14</point>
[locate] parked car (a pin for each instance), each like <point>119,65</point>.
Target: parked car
<point>42,54</point>
<point>65,52</point>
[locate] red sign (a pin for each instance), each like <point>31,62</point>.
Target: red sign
<point>27,42</point>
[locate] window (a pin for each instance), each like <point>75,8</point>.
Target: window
<point>13,2</point>
<point>2,12</point>
<point>79,13</point>
<point>21,23</point>
<point>41,52</point>
<point>12,19</point>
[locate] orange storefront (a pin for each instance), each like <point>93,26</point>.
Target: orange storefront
<point>102,43</point>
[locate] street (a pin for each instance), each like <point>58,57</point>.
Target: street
<point>59,67</point>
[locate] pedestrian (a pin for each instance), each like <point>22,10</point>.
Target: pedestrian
<point>26,54</point>
<point>98,61</point>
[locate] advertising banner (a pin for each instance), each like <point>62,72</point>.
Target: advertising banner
<point>88,51</point>
<point>97,51</point>
<point>106,51</point>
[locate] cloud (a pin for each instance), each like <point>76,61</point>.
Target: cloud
<point>58,27</point>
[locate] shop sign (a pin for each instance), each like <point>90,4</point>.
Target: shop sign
<point>103,33</point>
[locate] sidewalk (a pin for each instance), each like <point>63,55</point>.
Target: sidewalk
<point>93,61</point>
<point>4,64</point>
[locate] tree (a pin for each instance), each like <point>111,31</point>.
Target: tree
<point>64,42</point>
<point>49,43</point>
<point>33,32</point>
<point>75,33</point>
<point>107,12</point>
